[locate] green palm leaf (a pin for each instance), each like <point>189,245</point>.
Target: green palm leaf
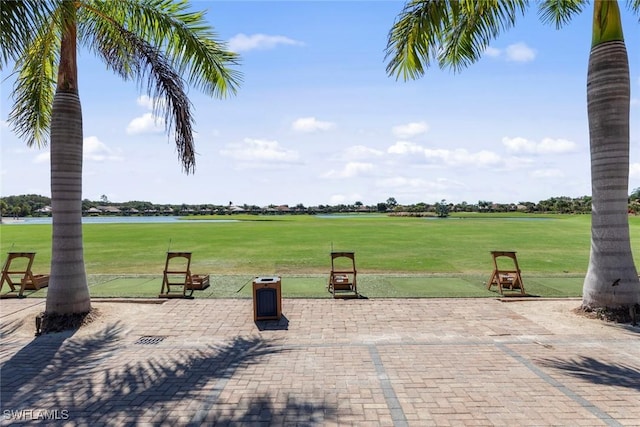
<point>160,44</point>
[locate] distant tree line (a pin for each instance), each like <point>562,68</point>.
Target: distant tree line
<point>36,205</point>
<point>21,206</point>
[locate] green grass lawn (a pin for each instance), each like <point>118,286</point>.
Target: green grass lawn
<point>314,286</point>
<point>395,256</point>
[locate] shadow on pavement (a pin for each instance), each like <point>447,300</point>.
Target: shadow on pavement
<point>73,377</point>
<point>49,358</point>
<point>597,372</point>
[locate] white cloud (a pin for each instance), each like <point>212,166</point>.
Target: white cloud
<point>556,146</point>
<point>410,183</point>
<point>92,150</point>
<point>457,157</point>
<point>492,52</point>
<point>405,147</point>
<point>148,102</point>
<point>462,157</point>
<point>546,146</point>
<point>410,129</point>
<point>242,42</point>
<point>260,151</point>
<point>518,145</point>
<point>350,170</point>
<point>356,168</point>
<point>147,123</point>
<point>634,170</point>
<point>520,52</point>
<point>311,124</point>
<point>547,173</point>
<point>42,157</point>
<point>145,101</point>
<point>96,150</point>
<point>361,152</point>
<point>517,52</point>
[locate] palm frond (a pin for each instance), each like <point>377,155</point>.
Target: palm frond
<point>105,36</point>
<point>453,33</point>
<point>414,39</point>
<point>560,12</point>
<point>133,58</point>
<point>18,22</point>
<point>34,88</point>
<point>185,37</point>
<point>634,6</point>
<point>161,45</point>
<point>473,26</point>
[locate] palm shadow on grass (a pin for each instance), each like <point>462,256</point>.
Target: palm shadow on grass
<point>597,372</point>
<point>181,387</point>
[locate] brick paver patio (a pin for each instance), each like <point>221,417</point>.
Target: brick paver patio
<point>386,362</point>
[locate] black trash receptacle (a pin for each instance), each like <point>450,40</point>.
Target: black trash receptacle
<point>267,298</point>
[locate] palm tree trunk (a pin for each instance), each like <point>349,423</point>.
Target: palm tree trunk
<point>68,290</point>
<point>612,278</point>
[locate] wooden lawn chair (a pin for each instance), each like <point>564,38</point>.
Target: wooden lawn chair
<point>177,273</point>
<point>342,279</point>
<point>510,279</point>
<point>22,273</point>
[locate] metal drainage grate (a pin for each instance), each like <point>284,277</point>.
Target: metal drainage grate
<point>150,340</point>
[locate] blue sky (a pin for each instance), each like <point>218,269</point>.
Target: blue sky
<point>318,121</point>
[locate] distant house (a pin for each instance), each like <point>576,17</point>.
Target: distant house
<point>103,210</point>
<point>93,211</point>
<point>110,210</point>
<point>46,210</point>
<point>235,209</point>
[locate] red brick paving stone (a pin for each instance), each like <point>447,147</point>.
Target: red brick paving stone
<point>361,362</point>
<point>602,371</point>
